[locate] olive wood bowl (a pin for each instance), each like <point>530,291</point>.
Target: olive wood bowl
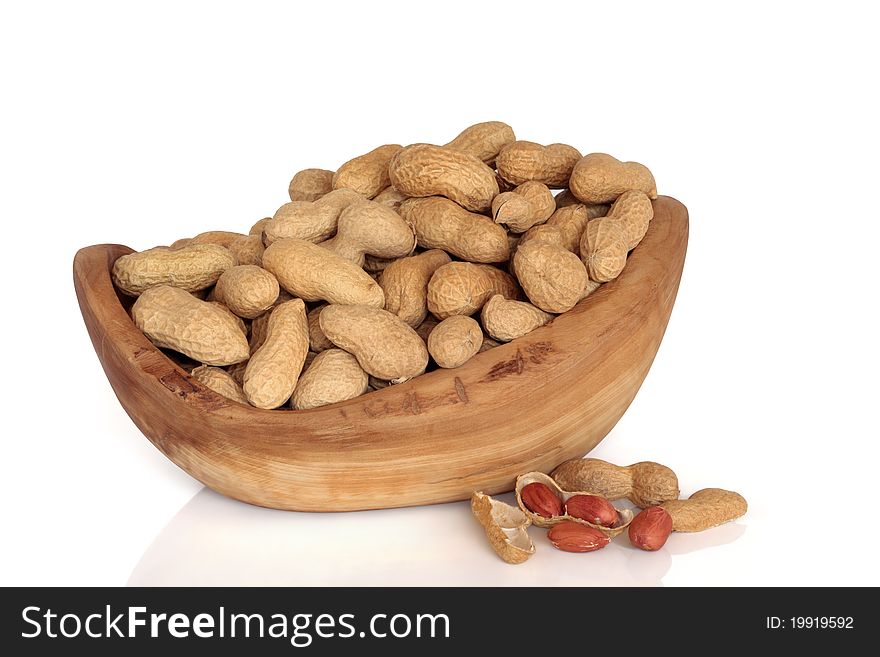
<point>523,406</point>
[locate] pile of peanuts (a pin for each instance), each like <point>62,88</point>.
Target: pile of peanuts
<point>402,260</point>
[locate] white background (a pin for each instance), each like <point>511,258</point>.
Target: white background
<point>140,124</point>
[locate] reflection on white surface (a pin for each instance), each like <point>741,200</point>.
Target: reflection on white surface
<point>217,541</point>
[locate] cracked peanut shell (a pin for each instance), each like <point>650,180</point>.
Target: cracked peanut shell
<point>506,528</point>
<point>624,516</point>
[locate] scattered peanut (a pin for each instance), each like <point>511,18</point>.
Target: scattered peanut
<point>704,509</point>
<point>650,528</point>
<point>454,341</point>
<point>573,537</point>
<point>644,484</point>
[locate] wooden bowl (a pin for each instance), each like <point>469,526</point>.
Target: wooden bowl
<point>528,405</point>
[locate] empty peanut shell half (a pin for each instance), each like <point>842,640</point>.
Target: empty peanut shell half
<point>506,528</point>
<point>624,516</point>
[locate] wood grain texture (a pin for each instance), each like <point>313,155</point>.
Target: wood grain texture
<point>524,406</point>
